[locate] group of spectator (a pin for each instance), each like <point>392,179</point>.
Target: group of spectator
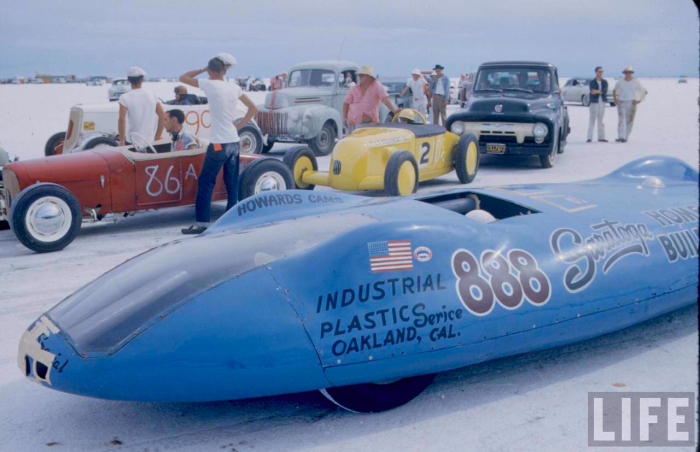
<point>362,101</point>
<point>627,94</point>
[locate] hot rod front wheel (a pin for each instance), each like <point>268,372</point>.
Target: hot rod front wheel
<point>299,160</point>
<point>401,174</point>
<point>46,218</point>
<point>377,397</point>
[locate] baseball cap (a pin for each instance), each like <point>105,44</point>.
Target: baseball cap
<point>135,71</point>
<point>227,58</point>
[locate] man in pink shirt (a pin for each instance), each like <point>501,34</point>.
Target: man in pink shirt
<point>362,101</point>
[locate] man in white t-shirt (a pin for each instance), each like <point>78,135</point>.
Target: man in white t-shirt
<point>140,111</point>
<point>628,93</point>
<point>417,86</point>
<point>225,147</point>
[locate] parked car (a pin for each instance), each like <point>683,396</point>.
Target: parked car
<point>4,160</point>
<point>310,108</point>
<point>515,108</point>
<point>394,86</point>
<point>90,125</point>
<point>579,90</point>
<point>394,157</point>
<point>119,87</point>
<point>366,299</point>
<point>46,199</point>
<point>257,85</point>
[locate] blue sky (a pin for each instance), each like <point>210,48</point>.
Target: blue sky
<point>167,38</point>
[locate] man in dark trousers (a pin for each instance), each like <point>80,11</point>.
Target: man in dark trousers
<point>598,98</point>
<point>225,144</point>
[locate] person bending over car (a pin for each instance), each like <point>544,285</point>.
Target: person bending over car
<point>225,144</point>
<point>142,109</point>
<point>182,139</point>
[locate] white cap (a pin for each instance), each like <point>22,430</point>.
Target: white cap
<point>135,71</point>
<point>415,72</point>
<point>227,58</point>
<point>628,69</point>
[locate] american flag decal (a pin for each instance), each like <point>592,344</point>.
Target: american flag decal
<point>393,255</point>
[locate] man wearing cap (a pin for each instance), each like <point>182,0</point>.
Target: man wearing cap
<point>140,111</point>
<point>277,81</point>
<point>362,101</point>
<point>225,144</point>
<point>598,98</point>
<point>439,90</point>
<point>628,93</point>
<point>417,85</point>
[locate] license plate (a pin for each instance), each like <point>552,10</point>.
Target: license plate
<point>492,148</point>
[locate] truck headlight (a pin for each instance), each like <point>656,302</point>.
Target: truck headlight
<point>540,131</point>
<point>457,128</point>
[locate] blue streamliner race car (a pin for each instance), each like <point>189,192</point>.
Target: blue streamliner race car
<point>366,299</point>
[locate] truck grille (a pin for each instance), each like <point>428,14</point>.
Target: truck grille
<point>272,123</point>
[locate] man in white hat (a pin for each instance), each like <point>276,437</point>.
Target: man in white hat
<point>362,101</point>
<point>417,85</point>
<point>628,93</point>
<point>140,111</point>
<point>225,144</point>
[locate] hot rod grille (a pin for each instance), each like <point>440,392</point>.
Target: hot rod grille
<point>272,123</point>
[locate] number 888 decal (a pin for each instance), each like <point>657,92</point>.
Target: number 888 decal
<point>505,280</point>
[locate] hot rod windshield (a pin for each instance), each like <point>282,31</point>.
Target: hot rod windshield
<point>311,77</point>
<point>514,79</point>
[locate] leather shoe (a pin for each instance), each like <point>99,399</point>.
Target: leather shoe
<point>603,141</point>
<point>588,141</point>
<point>193,230</point>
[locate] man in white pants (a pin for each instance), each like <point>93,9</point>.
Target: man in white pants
<point>417,86</point>
<point>628,93</point>
<point>598,98</point>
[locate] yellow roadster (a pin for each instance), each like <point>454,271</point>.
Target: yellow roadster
<point>394,157</point>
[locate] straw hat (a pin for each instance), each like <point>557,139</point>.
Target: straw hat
<point>366,70</point>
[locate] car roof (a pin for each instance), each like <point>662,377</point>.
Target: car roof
<point>325,64</point>
<point>517,63</point>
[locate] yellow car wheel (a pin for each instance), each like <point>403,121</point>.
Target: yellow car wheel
<point>401,174</point>
<point>467,158</point>
<point>300,159</point>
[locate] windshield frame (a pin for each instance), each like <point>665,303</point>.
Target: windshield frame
<point>306,78</point>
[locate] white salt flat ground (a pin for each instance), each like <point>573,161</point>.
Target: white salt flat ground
<point>526,402</point>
